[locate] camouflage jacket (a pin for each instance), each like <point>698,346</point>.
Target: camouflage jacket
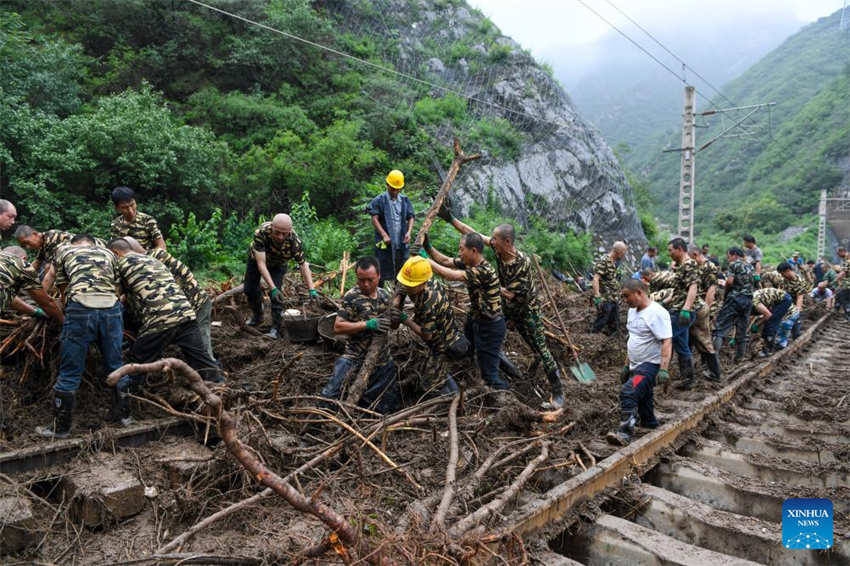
<point>433,313</point>
<point>708,275</point>
<point>845,267</point>
<point>143,228</point>
<point>358,307</point>
<point>684,275</point>
<point>518,278</point>
<point>52,240</point>
<point>88,273</point>
<point>772,278</point>
<point>743,283</point>
<point>183,276</point>
<point>16,275</point>
<point>153,293</point>
<point>277,253</point>
<point>661,280</point>
<point>795,287</point>
<point>770,297</point>
<point>609,278</point>
<point>485,298</point>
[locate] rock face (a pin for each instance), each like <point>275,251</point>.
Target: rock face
<point>564,171</point>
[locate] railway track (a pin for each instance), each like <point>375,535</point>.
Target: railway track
<point>708,487</point>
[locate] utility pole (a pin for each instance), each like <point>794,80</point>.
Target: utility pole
<point>821,225</point>
<point>842,26</point>
<point>686,179</point>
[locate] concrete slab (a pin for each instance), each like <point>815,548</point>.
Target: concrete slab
<point>552,559</point>
<point>746,537</point>
<point>748,441</point>
<point>184,459</point>
<point>613,541</point>
<point>705,484</point>
<point>101,491</point>
<point>17,524</point>
<point>721,456</point>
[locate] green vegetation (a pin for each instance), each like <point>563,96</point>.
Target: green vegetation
<point>218,124</point>
<point>770,184</point>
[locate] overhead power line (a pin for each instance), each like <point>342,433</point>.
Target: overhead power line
<point>638,45</point>
<point>676,57</point>
<point>373,65</point>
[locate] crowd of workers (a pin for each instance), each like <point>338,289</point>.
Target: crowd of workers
<point>131,282</point>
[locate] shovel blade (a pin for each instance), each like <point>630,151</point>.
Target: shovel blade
<point>583,373</point>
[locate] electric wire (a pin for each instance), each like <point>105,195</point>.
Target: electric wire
<point>676,57</point>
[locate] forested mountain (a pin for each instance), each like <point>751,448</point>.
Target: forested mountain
<point>217,121</point>
<point>769,182</point>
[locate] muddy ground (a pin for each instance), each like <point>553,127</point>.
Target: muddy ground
<point>356,482</point>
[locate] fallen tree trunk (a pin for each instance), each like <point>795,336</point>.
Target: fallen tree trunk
<point>361,381</point>
<point>227,429</point>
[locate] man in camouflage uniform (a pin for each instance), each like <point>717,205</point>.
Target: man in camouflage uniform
<point>701,329</point>
<point>167,318</point>
<point>682,306</point>
<point>775,307</point>
<point>606,289</point>
<point>275,245</point>
<point>199,298</point>
<point>737,303</point>
<point>8,214</point>
<point>16,275</point>
<point>842,283</point>
<point>133,223</point>
<point>520,303</point>
<point>771,278</point>
<point>46,244</point>
<point>433,322</point>
<point>753,256</point>
<point>485,324</point>
<point>361,317</point>
<point>795,285</point>
<point>87,277</point>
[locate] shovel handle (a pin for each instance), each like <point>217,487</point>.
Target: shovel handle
<point>554,306</point>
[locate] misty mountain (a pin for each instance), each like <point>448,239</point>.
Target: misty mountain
<point>633,100</point>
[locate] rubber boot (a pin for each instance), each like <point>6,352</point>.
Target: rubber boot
<point>713,364</point>
<point>119,413</point>
<point>624,434</point>
<point>557,401</point>
<point>508,367</point>
<point>718,344</point>
<point>686,374</point>
<point>273,333</point>
<point>740,350</point>
<point>257,314</point>
<point>63,407</point>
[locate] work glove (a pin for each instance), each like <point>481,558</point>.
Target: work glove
<point>445,211</point>
<point>397,317</point>
<point>422,253</point>
<point>624,373</point>
<point>597,301</point>
<point>39,313</point>
<point>382,245</point>
<point>754,327</point>
<point>415,249</point>
<point>378,324</point>
<point>756,277</point>
<point>684,317</point>
<point>426,243</point>
<point>662,376</point>
<point>276,296</point>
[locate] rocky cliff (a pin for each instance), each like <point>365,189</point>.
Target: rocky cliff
<point>564,171</point>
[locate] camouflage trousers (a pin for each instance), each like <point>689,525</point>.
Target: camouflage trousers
<point>701,339</point>
<point>530,327</point>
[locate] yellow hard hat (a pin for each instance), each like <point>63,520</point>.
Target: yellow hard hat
<point>395,179</point>
<point>415,271</point>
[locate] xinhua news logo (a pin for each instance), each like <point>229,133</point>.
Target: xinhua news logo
<point>807,523</point>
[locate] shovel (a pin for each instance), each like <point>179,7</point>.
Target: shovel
<point>580,370</point>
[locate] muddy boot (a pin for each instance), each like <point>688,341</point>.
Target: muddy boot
<point>63,407</point>
<point>273,333</point>
<point>740,350</point>
<point>120,413</point>
<point>713,367</point>
<point>557,400</point>
<point>718,344</point>
<point>686,374</point>
<point>508,367</point>
<point>624,434</point>
<point>256,314</point>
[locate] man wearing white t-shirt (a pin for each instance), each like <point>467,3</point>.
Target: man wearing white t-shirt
<point>650,347</point>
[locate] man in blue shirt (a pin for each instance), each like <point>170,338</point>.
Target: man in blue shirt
<point>796,262</point>
<point>648,259</point>
<point>392,217</point>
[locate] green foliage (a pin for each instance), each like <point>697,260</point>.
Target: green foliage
<point>499,53</point>
<point>437,110</point>
<point>498,137</point>
<point>44,72</point>
<point>324,240</point>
